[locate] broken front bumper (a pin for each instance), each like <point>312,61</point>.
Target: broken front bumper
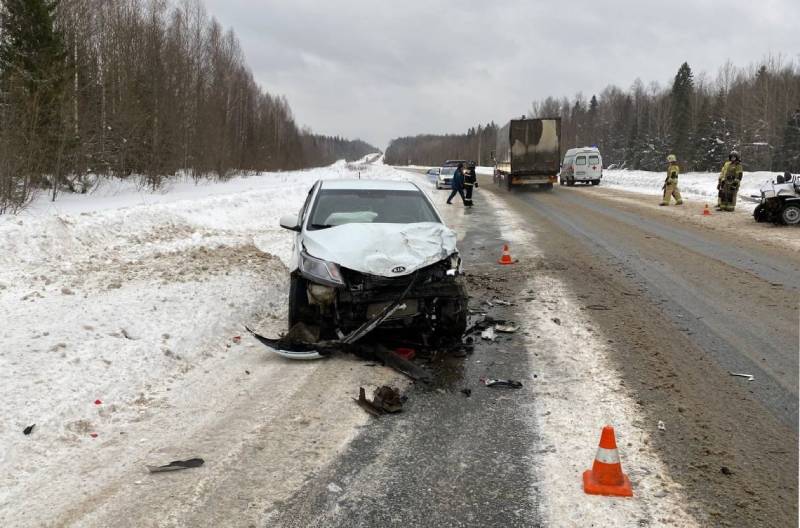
<point>436,301</point>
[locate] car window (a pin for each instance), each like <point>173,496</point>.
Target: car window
<point>594,159</point>
<point>334,207</point>
<point>448,171</point>
<point>580,160</point>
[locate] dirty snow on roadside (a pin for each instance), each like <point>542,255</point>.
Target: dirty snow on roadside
<point>577,392</point>
<point>699,185</point>
<point>119,315</point>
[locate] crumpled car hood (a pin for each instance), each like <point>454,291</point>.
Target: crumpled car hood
<point>378,249</point>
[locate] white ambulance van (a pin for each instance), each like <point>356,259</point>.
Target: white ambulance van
<point>581,165</point>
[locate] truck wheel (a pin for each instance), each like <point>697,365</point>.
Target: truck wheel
<point>298,300</point>
<point>595,182</point>
<point>790,215</point>
<point>548,186</point>
<point>571,183</point>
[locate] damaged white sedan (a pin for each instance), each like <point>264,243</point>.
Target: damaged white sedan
<point>370,253</point>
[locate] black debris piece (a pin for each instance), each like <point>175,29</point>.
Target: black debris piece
<point>365,404</point>
<point>466,392</point>
<point>512,384</point>
<point>177,465</point>
<point>28,430</point>
<point>388,399</point>
<point>385,399</point>
<point>394,361</point>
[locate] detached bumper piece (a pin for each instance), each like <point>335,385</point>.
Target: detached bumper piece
<point>292,346</point>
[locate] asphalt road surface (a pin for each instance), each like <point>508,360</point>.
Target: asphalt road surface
<point>684,304</point>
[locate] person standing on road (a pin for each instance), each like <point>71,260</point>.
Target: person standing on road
<point>470,181</point>
<point>671,183</point>
<point>729,180</point>
<point>458,184</point>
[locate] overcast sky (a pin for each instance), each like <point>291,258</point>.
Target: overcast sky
<point>376,70</point>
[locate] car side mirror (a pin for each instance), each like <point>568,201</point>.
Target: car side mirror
<point>290,222</point>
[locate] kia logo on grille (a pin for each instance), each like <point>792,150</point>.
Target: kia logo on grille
<point>399,269</point>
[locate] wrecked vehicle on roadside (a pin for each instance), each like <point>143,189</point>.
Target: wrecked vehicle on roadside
<point>370,253</point>
<point>780,201</point>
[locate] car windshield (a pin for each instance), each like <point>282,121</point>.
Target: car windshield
<point>448,171</point>
<point>363,206</point>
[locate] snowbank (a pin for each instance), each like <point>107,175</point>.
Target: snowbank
<point>699,185</point>
<point>119,296</point>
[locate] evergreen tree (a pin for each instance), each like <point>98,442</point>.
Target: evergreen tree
<point>578,116</point>
<point>32,62</point>
<point>680,123</point>
<point>591,122</point>
<point>32,77</point>
<point>790,152</point>
<point>713,139</point>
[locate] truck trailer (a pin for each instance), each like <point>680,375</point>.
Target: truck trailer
<point>528,152</point>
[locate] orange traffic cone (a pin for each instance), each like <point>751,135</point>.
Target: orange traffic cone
<point>606,476</point>
<point>706,211</point>
<point>506,259</point>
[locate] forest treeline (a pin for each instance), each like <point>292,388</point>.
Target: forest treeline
<point>755,109</point>
<point>429,149</point>
<point>114,88</point>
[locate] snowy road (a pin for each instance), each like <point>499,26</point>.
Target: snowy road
<point>627,317</point>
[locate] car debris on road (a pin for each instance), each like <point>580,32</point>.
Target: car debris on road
<point>749,377</point>
<point>385,399</point>
<point>177,465</point>
<point>512,384</point>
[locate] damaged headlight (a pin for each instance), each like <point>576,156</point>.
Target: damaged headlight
<point>320,271</point>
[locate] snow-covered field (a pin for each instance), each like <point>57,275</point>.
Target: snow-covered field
<point>697,185</point>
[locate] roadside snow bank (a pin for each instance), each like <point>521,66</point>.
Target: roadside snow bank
<point>577,391</point>
<point>702,185</point>
<point>129,298</point>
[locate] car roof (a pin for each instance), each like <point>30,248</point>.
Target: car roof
<point>373,185</point>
